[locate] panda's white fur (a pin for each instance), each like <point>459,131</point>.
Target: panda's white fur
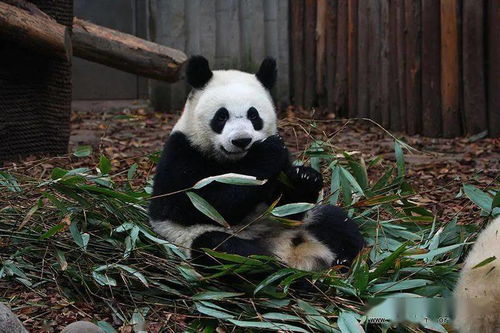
<point>477,294</point>
<point>237,92</point>
<point>306,256</point>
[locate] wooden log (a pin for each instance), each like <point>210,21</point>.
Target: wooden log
<point>413,67</point>
<point>385,110</point>
<point>310,53</point>
<point>35,31</point>
<point>431,64</point>
<point>493,74</point>
<point>321,52</point>
<point>126,52</point>
<point>450,70</point>
<point>341,66</point>
<point>395,116</point>
<point>374,59</point>
<point>352,48</point>
<point>473,50</point>
<point>297,27</point>
<point>401,52</point>
<point>362,53</point>
<point>331,45</point>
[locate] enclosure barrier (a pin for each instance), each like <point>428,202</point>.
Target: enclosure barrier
<point>420,66</point>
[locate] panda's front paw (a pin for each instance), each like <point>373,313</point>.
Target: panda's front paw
<point>305,179</point>
<point>271,153</point>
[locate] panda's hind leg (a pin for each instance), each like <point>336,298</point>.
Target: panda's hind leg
<point>331,226</point>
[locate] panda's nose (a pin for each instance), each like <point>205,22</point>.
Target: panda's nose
<point>241,143</point>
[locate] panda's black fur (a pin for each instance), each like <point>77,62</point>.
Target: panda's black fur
<point>327,236</point>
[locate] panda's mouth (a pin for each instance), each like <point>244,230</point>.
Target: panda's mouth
<point>231,153</point>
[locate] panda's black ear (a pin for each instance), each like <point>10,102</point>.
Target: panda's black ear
<point>198,72</point>
<point>267,73</point>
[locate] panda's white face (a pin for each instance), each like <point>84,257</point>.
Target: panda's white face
<point>228,115</point>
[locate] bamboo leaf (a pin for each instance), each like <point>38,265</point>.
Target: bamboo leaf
<point>207,209</point>
<point>215,295</point>
<point>485,262</point>
<point>232,179</point>
<point>104,165</point>
<point>273,277</point>
<point>82,151</point>
<point>348,323</point>
<point>267,325</point>
<point>291,209</point>
<point>400,161</point>
<point>352,181</point>
<point>480,198</point>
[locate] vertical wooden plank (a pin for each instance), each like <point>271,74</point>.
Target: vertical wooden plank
<point>283,93</point>
<point>352,56</point>
<point>270,37</point>
<point>401,52</point>
<point>473,67</point>
<point>331,45</point>
<point>253,34</point>
<point>192,10</point>
<point>297,35</point>
<point>321,53</point>
<point>227,52</point>
<point>178,41</point>
<point>384,64</point>
<point>341,66</point>
<point>310,53</point>
<point>450,68</point>
<point>169,29</point>
<point>493,66</point>
<point>431,64</point>
<point>413,67</point>
<point>208,30</point>
<point>374,59</point>
<point>362,81</point>
<point>395,120</point>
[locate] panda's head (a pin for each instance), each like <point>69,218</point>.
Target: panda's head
<point>228,111</point>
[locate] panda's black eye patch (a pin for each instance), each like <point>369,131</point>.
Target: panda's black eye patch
<point>219,120</point>
<point>254,117</point>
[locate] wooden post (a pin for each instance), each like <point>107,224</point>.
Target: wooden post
<point>413,67</point>
<point>341,72</point>
<point>352,57</point>
<point>395,115</point>
<point>401,52</point>
<point>321,53</point>
<point>431,64</point>
<point>331,45</point>
<point>450,68</point>
<point>34,31</point>
<point>385,64</point>
<point>297,27</point>
<point>373,59</point>
<point>473,50</point>
<point>363,36</point>
<point>310,53</point>
<point>493,67</point>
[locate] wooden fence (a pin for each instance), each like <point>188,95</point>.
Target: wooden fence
<point>425,67</point>
<point>230,33</point>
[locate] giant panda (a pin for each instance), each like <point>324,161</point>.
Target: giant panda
<point>477,294</point>
<point>228,125</point>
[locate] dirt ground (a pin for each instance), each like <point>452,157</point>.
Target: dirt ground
<point>128,132</point>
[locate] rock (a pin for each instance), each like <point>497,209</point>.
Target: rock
<point>9,322</point>
<point>82,327</point>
